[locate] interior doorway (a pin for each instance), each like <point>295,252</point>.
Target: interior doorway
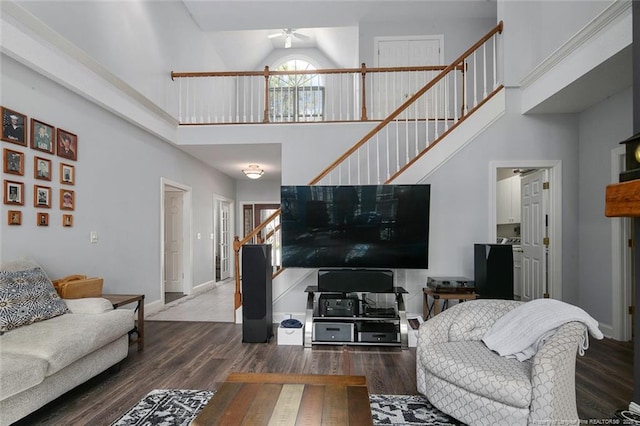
<point>622,271</point>
<point>175,241</point>
<point>222,237</point>
<point>535,223</point>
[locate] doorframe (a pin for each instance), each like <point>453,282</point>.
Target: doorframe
<point>221,198</point>
<point>620,267</point>
<point>187,246</point>
<point>554,167</point>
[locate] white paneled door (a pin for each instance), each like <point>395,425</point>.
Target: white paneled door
<point>533,235</point>
<point>396,88</point>
<point>173,277</point>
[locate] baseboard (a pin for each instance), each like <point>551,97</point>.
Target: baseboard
<point>607,330</point>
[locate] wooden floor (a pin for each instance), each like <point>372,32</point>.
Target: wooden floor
<point>199,355</point>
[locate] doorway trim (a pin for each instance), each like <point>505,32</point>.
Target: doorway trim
<point>187,246</point>
<point>218,199</point>
<point>554,167</point>
<point>620,261</point>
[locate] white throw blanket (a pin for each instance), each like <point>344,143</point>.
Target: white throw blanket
<point>523,330</point>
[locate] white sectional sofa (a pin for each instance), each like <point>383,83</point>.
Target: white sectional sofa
<point>43,359</point>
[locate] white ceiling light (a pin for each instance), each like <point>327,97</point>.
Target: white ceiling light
<point>253,171</point>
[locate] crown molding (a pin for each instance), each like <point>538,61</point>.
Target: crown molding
<point>31,42</point>
<point>616,10</point>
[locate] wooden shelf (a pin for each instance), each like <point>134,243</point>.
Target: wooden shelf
<point>623,199</point>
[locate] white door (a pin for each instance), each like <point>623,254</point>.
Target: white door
<point>225,240</point>
<point>533,232</point>
<point>395,88</point>
<point>173,281</point>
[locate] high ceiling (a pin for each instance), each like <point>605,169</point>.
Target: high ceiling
<point>331,27</point>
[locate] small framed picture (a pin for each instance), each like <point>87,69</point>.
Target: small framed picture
<point>41,168</point>
<point>13,162</point>
<point>42,136</point>
<point>13,193</point>
<point>67,174</point>
<point>67,199</point>
<point>41,196</point>
<point>13,127</point>
<point>14,217</point>
<point>43,219</point>
<point>67,146</point>
<point>67,220</point>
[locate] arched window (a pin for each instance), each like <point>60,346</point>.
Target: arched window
<point>296,97</point>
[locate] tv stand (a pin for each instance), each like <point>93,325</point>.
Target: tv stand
<point>379,327</point>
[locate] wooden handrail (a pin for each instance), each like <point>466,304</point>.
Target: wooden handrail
<point>360,70</point>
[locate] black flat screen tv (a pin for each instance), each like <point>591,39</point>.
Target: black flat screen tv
<point>355,226</point>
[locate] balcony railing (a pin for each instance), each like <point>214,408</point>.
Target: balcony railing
<point>331,95</point>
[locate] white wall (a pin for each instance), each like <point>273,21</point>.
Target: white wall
<point>541,26</point>
<point>141,42</point>
<point>602,128</point>
<point>117,192</point>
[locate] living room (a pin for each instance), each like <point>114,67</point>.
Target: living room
<point>129,139</point>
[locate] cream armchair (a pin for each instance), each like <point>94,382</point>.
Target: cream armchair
<point>463,378</point>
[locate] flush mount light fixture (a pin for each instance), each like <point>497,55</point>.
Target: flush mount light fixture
<point>253,171</point>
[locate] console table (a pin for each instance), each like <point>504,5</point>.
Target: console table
<point>398,320</point>
<point>118,300</point>
<point>261,398</point>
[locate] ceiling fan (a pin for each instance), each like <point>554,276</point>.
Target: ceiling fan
<point>288,34</point>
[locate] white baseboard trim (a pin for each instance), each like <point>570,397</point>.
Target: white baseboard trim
<point>153,307</point>
<point>607,330</point>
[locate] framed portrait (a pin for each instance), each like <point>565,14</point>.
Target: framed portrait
<point>67,146</point>
<point>13,193</point>
<point>43,219</point>
<point>41,168</point>
<point>67,220</point>
<point>14,217</point>
<point>41,196</point>
<point>67,199</point>
<point>13,129</point>
<point>42,136</point>
<point>67,174</point>
<point>13,162</point>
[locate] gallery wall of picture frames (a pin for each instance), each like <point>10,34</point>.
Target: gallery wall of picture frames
<point>41,146</point>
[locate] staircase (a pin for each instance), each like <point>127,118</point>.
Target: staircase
<point>450,107</point>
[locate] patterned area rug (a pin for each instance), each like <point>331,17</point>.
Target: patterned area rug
<point>173,407</point>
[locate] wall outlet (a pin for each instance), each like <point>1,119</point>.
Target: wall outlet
<point>93,237</point>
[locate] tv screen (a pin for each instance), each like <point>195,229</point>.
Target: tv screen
<point>355,226</point>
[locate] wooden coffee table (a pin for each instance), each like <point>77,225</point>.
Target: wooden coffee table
<point>288,399</point>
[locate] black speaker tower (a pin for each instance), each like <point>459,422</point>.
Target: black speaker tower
<point>494,271</point>
<point>257,301</point>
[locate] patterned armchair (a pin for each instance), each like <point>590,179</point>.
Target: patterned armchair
<point>463,378</point>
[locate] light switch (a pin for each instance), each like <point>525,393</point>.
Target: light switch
<point>94,237</point>
<point>211,236</point>
<point>198,235</point>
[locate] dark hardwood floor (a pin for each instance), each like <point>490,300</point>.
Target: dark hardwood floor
<point>198,355</point>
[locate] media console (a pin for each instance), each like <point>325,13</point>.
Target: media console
<point>356,318</point>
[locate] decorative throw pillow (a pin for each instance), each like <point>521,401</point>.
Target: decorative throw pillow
<point>27,296</point>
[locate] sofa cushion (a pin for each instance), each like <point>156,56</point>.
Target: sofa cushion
<point>26,295</point>
<point>471,366</point>
<point>20,372</point>
<point>65,339</point>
